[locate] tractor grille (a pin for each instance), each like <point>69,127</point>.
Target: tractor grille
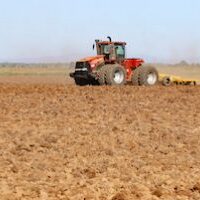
<point>82,70</point>
<point>82,66</point>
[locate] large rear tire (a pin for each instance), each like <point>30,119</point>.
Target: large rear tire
<point>115,75</point>
<point>148,76</point>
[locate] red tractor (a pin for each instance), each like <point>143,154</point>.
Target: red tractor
<point>111,67</point>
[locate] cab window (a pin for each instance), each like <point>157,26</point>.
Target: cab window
<point>106,49</point>
<point>120,50</point>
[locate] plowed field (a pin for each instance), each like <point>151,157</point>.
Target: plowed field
<point>60,141</point>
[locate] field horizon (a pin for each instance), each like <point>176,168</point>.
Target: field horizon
<point>183,69</point>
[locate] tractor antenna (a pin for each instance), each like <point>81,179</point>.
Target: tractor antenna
<point>109,38</point>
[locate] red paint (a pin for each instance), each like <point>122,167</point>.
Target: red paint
<point>130,64</point>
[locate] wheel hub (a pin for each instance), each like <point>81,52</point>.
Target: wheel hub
<point>151,78</point>
<point>118,77</point>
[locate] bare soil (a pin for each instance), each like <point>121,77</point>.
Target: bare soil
<point>47,79</point>
<point>59,141</point>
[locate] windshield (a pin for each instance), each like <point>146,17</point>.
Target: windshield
<point>112,51</point>
<point>120,50</point>
<point>106,49</point>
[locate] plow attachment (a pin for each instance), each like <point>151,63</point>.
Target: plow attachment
<point>168,80</point>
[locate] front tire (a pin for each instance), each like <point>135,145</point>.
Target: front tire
<point>102,75</point>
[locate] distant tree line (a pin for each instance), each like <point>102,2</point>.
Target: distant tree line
<point>72,64</point>
<point>42,65</point>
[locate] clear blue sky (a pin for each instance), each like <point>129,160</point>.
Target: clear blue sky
<point>64,30</point>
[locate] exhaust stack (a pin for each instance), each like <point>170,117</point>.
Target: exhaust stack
<point>109,38</point>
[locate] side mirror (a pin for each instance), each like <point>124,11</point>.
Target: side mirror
<point>93,46</point>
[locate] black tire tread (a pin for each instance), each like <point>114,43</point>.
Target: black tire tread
<point>102,75</point>
<point>144,71</point>
<point>109,71</point>
<point>135,77</point>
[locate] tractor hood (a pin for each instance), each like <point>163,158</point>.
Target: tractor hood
<point>94,61</point>
<point>92,58</point>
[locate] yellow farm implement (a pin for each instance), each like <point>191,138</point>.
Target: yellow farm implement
<point>168,80</point>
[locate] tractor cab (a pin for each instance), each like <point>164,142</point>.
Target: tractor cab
<point>114,52</point>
